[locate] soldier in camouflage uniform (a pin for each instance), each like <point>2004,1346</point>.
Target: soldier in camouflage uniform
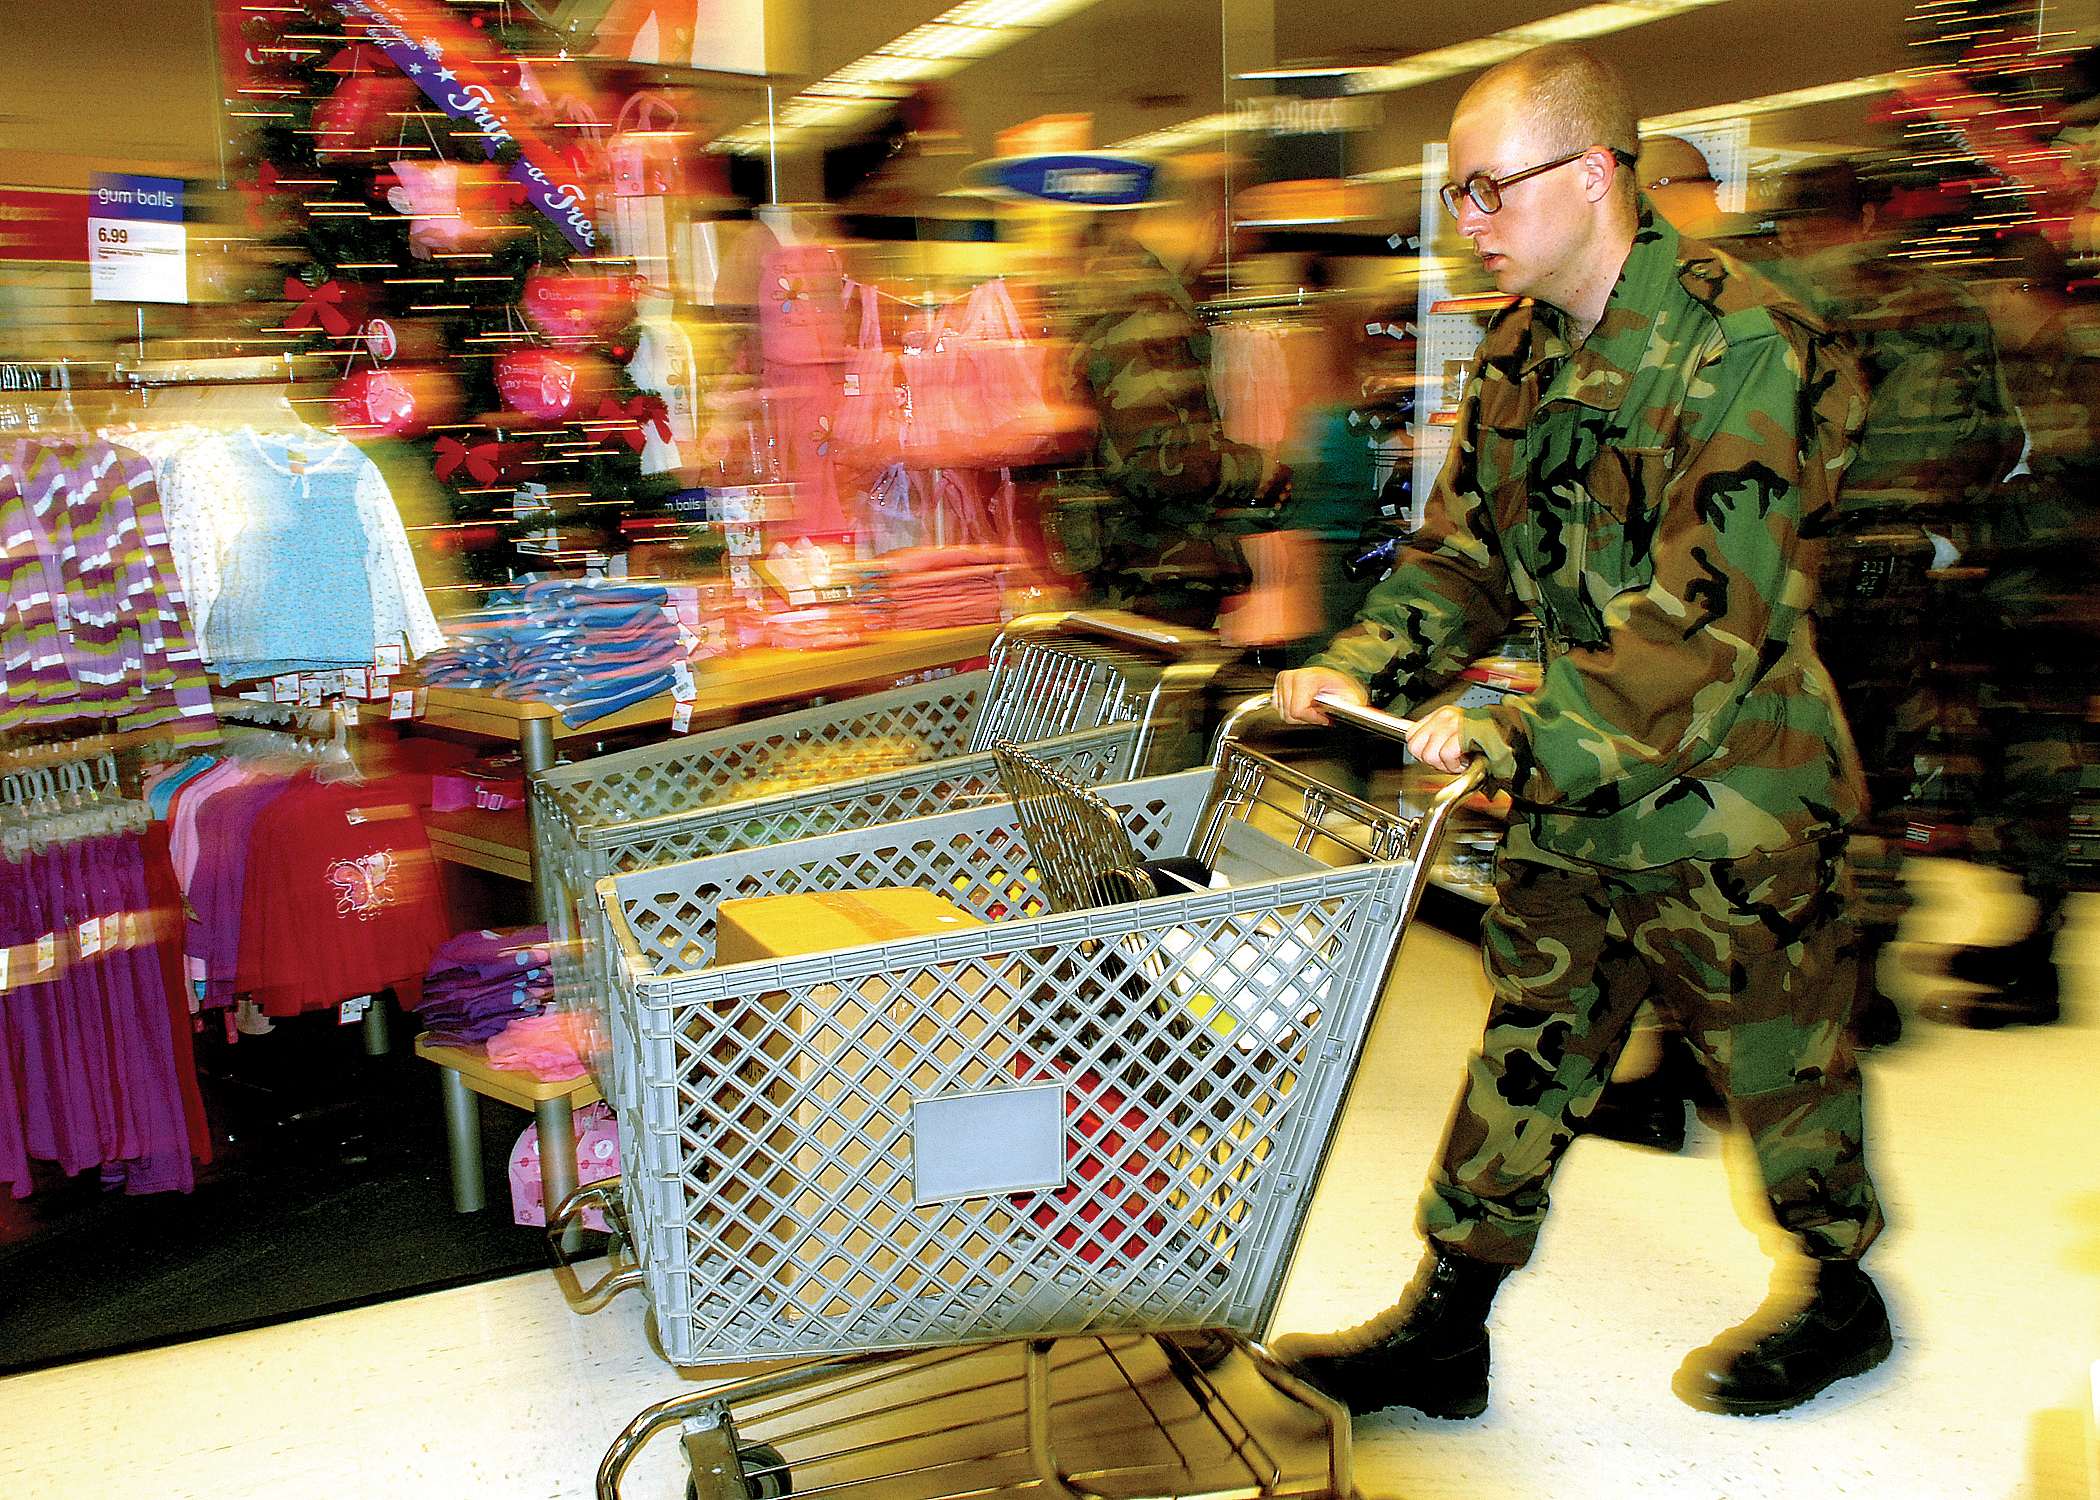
<point>2038,628</point>
<point>1940,431</point>
<point>1649,445</point>
<point>1159,546</point>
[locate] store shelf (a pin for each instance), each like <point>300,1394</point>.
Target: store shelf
<point>499,842</point>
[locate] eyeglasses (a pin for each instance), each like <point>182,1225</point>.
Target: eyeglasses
<point>1486,190</point>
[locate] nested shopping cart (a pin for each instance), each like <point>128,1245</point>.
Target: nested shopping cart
<point>1103,694</point>
<point>1015,1202</point>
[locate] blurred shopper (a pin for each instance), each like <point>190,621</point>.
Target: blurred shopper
<point>2039,611</point>
<point>1351,464</point>
<point>1939,433</point>
<point>1675,176</point>
<point>1649,442</point>
<point>1165,550</point>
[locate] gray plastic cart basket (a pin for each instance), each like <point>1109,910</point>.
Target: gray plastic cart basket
<point>1105,695</point>
<point>1056,1126</point>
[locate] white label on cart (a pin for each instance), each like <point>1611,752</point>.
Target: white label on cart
<point>354,1009</point>
<point>682,716</point>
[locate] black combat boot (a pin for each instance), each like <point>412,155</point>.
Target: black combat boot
<point>2024,985</point>
<point>1875,1020</point>
<point>1429,1351</point>
<point>1650,1110</point>
<point>1843,1331</point>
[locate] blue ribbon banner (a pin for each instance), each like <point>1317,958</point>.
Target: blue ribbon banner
<point>460,91</point>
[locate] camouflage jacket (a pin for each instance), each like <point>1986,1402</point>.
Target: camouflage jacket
<point>2043,534</point>
<point>1940,428</point>
<point>1145,358</point>
<point>1654,496</point>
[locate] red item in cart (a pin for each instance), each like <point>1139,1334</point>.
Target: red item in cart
<point>1109,1174</point>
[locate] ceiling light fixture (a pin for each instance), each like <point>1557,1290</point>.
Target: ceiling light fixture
<point>1438,63</point>
<point>862,89</point>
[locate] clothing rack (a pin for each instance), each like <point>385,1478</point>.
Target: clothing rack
<point>303,717</point>
<point>277,369</point>
<point>1299,298</point>
<point>65,801</point>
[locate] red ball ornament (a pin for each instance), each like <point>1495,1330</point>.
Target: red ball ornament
<point>397,402</point>
<point>563,306</point>
<point>550,385</point>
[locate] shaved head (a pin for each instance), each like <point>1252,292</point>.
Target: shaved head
<point>1567,95</point>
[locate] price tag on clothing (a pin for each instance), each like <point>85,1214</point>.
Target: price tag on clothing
<point>402,705</point>
<point>285,689</point>
<point>388,659</point>
<point>298,460</point>
<point>7,958</point>
<point>47,953</point>
<point>311,691</point>
<point>354,1009</point>
<point>682,717</point>
<point>683,688</point>
<point>91,937</point>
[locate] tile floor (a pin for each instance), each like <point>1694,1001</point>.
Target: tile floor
<point>1984,1145</point>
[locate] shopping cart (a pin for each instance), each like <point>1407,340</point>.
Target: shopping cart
<point>1017,1200</point>
<point>1105,695</point>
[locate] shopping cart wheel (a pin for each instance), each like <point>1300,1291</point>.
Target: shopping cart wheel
<point>766,1474</point>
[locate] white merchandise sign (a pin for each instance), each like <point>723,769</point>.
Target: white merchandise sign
<point>138,248</point>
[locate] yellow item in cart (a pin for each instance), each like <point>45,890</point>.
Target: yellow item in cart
<point>798,767</point>
<point>761,927</point>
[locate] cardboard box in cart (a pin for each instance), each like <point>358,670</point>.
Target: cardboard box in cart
<point>872,1044</point>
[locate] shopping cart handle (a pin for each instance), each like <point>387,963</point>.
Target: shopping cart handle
<point>1377,721</point>
<point>1119,625</point>
<point>1363,716</point>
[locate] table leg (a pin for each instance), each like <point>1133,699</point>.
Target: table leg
<point>463,1128</point>
<point>536,749</point>
<point>377,1037</point>
<point>557,1124</point>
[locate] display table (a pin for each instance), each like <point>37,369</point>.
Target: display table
<point>467,1073</point>
<point>501,842</point>
<point>727,685</point>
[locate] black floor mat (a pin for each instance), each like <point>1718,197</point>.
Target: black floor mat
<point>330,1188</point>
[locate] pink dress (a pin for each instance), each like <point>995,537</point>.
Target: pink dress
<point>802,330</point>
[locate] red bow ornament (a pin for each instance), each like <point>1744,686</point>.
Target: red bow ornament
<point>485,463</point>
<point>316,305</point>
<point>629,421</point>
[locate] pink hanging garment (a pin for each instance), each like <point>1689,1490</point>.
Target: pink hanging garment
<point>870,427</point>
<point>802,317</point>
<point>940,430</point>
<point>1015,386</point>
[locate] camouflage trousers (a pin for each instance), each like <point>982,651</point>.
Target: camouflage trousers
<point>1875,633</point>
<point>1748,957</point>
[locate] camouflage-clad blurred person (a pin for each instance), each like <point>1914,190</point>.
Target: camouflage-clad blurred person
<point>1642,458</point>
<point>1161,548</point>
<point>2039,618</point>
<point>1939,432</point>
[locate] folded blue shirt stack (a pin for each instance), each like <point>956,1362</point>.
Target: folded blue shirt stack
<point>589,649</point>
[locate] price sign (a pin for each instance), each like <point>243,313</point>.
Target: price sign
<point>137,246</point>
